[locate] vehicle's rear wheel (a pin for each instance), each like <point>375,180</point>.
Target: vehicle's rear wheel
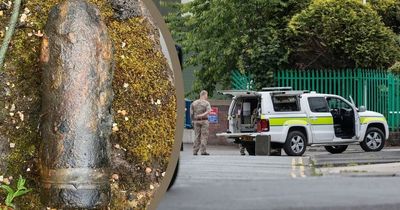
<point>336,149</point>
<point>374,140</point>
<point>295,144</point>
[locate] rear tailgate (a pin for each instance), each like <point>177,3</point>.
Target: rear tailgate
<point>237,135</point>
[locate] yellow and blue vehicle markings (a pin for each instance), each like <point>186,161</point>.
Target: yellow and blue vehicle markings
<point>322,121</point>
<point>366,120</point>
<point>284,121</point>
<point>287,121</point>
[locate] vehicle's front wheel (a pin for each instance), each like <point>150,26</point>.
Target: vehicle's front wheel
<point>295,144</point>
<point>374,140</point>
<point>336,149</point>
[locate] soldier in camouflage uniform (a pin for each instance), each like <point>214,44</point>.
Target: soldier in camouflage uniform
<point>199,111</point>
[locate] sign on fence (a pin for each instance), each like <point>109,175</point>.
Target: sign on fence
<point>213,115</point>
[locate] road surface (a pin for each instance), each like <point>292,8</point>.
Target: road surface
<point>226,180</point>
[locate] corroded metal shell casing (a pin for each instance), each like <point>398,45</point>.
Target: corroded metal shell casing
<point>76,118</point>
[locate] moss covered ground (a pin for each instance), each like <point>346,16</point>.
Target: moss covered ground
<point>144,105</point>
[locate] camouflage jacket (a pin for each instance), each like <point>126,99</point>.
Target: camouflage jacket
<point>199,107</point>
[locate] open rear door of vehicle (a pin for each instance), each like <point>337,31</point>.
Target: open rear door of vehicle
<point>231,122</point>
<point>239,93</point>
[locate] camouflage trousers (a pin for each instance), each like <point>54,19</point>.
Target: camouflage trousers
<point>201,136</point>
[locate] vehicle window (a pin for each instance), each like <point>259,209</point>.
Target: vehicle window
<point>318,104</point>
<point>246,106</point>
<point>285,103</point>
<point>337,103</point>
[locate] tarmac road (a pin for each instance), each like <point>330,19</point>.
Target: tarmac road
<point>226,180</point>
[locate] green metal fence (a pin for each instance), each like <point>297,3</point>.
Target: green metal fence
<point>240,81</point>
<point>394,101</point>
<point>377,90</point>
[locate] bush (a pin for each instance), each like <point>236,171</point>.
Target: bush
<point>341,34</point>
<point>389,10</point>
<point>395,68</point>
<point>221,36</point>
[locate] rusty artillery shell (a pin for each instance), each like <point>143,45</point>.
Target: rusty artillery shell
<point>76,121</point>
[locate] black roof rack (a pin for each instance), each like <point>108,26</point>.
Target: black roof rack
<point>282,89</point>
<point>276,88</point>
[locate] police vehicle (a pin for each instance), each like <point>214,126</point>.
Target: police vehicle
<point>297,119</point>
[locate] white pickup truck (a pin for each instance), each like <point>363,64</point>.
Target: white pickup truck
<point>297,119</point>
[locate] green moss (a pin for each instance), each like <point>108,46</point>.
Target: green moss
<point>147,129</point>
<point>150,127</point>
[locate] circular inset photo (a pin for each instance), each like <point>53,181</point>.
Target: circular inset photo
<point>89,96</point>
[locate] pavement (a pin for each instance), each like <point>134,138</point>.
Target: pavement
<point>356,162</point>
<point>388,169</point>
<point>318,180</point>
<point>354,155</point>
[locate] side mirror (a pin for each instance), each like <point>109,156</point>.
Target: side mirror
<point>362,109</point>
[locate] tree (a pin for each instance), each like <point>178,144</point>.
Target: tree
<point>389,10</point>
<point>341,34</point>
<point>395,68</point>
<point>222,36</point>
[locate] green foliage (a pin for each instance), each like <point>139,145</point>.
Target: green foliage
<point>341,34</point>
<point>12,194</point>
<point>395,68</point>
<point>220,36</point>
<point>258,36</point>
<point>389,10</point>
<point>144,69</point>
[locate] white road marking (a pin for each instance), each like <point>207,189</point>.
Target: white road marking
<point>297,171</point>
<point>293,172</point>
<point>302,174</point>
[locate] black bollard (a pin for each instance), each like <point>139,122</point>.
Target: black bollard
<point>76,115</point>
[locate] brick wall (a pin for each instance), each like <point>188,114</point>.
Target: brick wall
<point>394,139</point>
<point>222,125</point>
